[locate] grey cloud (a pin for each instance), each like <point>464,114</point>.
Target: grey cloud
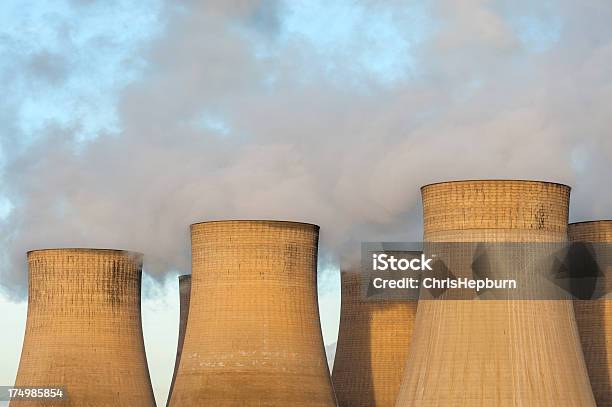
<point>311,148</point>
<point>48,66</point>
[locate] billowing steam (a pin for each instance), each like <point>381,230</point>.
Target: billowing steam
<point>244,112</point>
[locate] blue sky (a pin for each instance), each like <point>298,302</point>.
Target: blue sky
<point>140,117</point>
<point>64,62</point>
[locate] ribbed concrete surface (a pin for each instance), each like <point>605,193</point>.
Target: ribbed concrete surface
<point>373,343</point>
<point>594,317</point>
<point>596,231</point>
<point>495,353</point>
<point>184,295</point>
<point>253,335</point>
<point>83,330</point>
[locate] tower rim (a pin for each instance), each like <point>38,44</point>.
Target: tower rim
<point>85,250</point>
<point>290,222</point>
<point>526,181</point>
<point>590,221</point>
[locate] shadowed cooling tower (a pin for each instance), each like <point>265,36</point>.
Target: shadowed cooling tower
<point>184,294</point>
<point>373,343</point>
<point>594,317</point>
<point>83,330</point>
<point>253,336</point>
<point>495,352</point>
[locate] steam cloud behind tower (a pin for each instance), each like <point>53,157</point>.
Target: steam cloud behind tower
<point>83,330</point>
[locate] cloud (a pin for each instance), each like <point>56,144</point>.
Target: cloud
<point>62,63</point>
<point>48,66</point>
<point>268,110</point>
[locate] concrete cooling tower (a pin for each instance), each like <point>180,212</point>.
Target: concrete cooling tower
<point>594,317</point>
<point>184,294</point>
<point>253,336</point>
<point>495,352</point>
<point>83,330</point>
<point>373,343</point>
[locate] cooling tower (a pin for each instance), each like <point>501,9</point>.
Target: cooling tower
<point>495,352</point>
<point>594,317</point>
<point>184,294</point>
<point>83,330</point>
<point>253,336</point>
<point>373,343</point>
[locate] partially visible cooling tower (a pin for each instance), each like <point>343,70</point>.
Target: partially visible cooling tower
<point>594,317</point>
<point>83,330</point>
<point>184,294</point>
<point>373,343</point>
<point>495,352</point>
<point>253,335</point>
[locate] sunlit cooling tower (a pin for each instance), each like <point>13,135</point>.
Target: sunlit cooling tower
<point>594,317</point>
<point>184,294</point>
<point>495,352</point>
<point>253,335</point>
<point>373,343</point>
<point>83,330</point>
